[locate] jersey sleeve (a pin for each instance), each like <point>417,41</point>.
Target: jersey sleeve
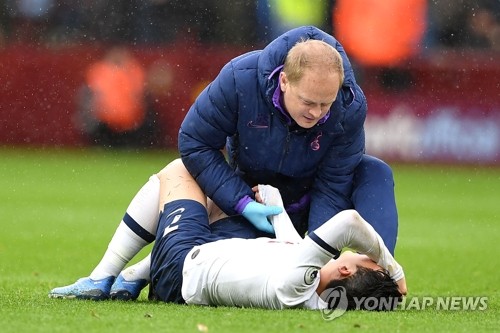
<point>349,229</point>
<point>283,227</point>
<point>299,280</point>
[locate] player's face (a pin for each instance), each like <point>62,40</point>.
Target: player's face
<point>346,265</point>
<point>353,260</point>
<point>309,99</point>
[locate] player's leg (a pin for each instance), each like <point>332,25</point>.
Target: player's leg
<point>126,284</point>
<point>183,224</point>
<point>130,282</point>
<point>136,230</point>
<point>373,197</point>
<point>176,184</point>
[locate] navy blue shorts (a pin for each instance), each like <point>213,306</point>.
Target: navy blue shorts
<point>184,225</point>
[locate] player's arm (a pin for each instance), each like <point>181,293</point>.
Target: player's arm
<point>283,227</point>
<point>348,229</point>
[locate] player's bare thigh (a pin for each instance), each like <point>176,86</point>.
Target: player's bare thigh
<point>176,183</point>
<point>214,212</point>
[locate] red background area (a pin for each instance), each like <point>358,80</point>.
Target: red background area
<point>39,86</point>
<point>467,80</point>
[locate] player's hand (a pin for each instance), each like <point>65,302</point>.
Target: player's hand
<point>257,214</point>
<point>402,286</point>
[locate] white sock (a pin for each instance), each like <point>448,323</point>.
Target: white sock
<point>138,271</point>
<point>136,230</point>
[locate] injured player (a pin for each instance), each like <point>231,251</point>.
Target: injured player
<point>284,272</point>
<point>191,264</point>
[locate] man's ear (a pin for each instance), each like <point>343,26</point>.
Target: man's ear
<point>344,271</point>
<point>283,81</point>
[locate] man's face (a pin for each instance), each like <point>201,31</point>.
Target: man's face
<point>309,99</point>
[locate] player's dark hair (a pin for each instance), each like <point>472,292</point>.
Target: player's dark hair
<point>369,289</point>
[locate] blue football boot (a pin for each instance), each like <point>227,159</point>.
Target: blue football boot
<point>85,288</point>
<point>124,290</point>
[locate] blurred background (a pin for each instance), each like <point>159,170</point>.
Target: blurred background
<point>123,73</point>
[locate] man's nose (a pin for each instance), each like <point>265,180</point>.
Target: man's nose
<point>315,111</point>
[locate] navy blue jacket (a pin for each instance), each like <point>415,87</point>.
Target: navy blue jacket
<point>263,146</point>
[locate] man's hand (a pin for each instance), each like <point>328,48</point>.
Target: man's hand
<point>257,214</point>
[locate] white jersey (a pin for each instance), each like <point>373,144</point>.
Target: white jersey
<point>262,272</point>
<point>277,273</point>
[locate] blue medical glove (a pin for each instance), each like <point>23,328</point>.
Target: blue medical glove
<point>257,214</point>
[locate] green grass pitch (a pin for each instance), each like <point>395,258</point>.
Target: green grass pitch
<point>59,209</point>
